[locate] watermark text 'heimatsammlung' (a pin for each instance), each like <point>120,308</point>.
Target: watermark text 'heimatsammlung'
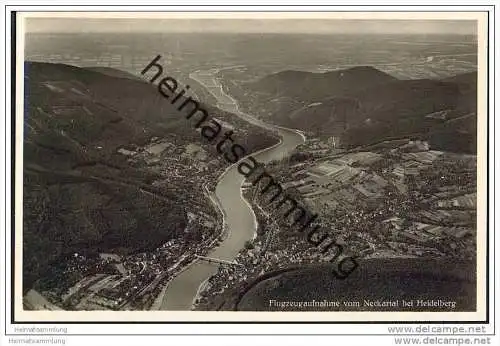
<point>233,152</point>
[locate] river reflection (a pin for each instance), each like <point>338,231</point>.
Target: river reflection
<point>240,219</point>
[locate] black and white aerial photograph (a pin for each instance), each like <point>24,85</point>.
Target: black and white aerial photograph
<point>251,163</point>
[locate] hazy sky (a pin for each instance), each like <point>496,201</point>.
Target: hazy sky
<point>251,25</point>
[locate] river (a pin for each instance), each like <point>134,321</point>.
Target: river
<point>239,216</point>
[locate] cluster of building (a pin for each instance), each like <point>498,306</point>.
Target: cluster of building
<point>372,207</point>
<point>135,281</point>
<point>130,282</point>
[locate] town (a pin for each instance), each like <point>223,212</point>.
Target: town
<point>397,199</point>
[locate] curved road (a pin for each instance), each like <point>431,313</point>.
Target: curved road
<point>239,217</point>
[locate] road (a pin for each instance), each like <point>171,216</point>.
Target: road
<point>240,220</point>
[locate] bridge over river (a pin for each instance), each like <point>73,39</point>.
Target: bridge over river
<point>239,217</point>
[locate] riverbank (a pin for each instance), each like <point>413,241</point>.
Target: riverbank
<point>240,220</point>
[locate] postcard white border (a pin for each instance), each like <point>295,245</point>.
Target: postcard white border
<point>165,316</point>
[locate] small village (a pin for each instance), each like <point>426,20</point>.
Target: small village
<point>404,201</point>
